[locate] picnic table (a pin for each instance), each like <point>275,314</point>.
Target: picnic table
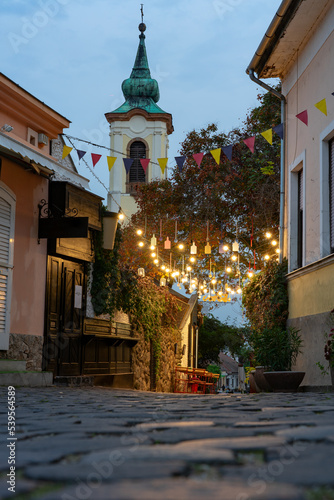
<point>195,380</point>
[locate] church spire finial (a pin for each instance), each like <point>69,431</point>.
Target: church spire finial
<point>142,26</point>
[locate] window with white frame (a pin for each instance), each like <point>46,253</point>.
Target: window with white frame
<point>296,214</point>
<point>7,223</point>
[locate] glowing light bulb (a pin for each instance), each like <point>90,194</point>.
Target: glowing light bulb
<point>192,259</point>
<point>141,244</point>
<point>239,291</point>
<point>153,254</point>
<point>228,269</point>
<point>277,250</point>
<point>266,257</point>
<point>234,257</point>
<point>121,216</point>
<point>152,247</point>
<point>163,267</point>
<point>139,232</point>
<point>213,281</point>
<point>250,274</point>
<point>268,235</point>
<point>274,243</point>
<point>225,248</point>
<point>188,268</point>
<point>181,246</point>
<point>156,261</point>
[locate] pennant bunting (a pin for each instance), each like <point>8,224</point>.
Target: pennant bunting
<point>303,117</point>
<point>216,155</point>
<point>279,130</point>
<point>111,160</point>
<point>95,158</point>
<point>268,135</point>
<point>198,157</point>
<point>163,163</point>
<point>180,162</point>
<point>227,150</point>
<point>66,151</point>
<point>127,164</point>
<point>250,143</point>
<point>81,154</point>
<point>144,163</point>
<point>322,106</point>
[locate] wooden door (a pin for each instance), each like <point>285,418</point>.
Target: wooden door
<point>64,316</point>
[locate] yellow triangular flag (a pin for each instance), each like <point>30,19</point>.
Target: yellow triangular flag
<point>111,160</point>
<point>322,106</point>
<point>163,163</point>
<point>216,154</point>
<point>66,151</point>
<point>268,135</point>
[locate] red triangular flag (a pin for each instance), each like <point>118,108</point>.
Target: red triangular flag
<point>95,158</point>
<point>198,157</point>
<point>250,142</point>
<point>144,163</point>
<point>303,117</point>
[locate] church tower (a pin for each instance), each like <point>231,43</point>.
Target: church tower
<point>138,129</point>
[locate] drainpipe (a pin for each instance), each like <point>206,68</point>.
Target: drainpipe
<point>280,96</point>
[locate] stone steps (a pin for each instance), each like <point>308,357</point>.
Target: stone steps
<point>13,372</point>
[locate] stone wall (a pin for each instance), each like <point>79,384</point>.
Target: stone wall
<point>27,348</point>
<point>141,362</point>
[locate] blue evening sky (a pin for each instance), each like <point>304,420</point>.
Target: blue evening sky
<point>74,54</point>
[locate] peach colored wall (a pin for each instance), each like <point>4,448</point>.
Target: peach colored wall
<point>29,275</point>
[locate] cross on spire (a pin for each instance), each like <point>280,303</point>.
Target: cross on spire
<point>142,12</point>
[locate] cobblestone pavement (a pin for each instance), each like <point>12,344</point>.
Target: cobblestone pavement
<point>100,443</point>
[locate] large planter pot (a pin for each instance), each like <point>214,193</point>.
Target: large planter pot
<point>284,381</point>
<point>260,379</point>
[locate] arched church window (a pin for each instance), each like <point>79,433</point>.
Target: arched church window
<point>137,151</point>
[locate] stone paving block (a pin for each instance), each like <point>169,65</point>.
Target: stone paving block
<point>179,489</point>
<point>307,433</point>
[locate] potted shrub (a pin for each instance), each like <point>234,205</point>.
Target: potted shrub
<point>275,347</point>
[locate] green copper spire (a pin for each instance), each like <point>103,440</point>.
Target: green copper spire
<point>140,90</point>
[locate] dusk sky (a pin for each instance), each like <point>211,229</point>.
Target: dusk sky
<point>74,54</point>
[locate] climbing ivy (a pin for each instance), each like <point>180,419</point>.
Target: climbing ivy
<point>117,287</point>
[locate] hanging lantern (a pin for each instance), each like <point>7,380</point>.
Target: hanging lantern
<point>167,244</point>
<point>235,246</point>
<point>193,249</point>
<point>207,248</point>
<point>153,241</point>
<point>141,272</point>
<point>221,247</point>
<point>163,282</point>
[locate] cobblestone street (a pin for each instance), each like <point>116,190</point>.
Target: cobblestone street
<point>99,443</point>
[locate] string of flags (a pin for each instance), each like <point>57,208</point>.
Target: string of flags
<point>198,157</point>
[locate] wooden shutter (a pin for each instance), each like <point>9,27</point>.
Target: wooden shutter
<point>331,192</point>
<point>7,214</point>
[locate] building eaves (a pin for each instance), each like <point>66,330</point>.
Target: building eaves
<point>277,27</point>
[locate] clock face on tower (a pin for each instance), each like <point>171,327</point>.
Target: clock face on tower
<point>137,124</point>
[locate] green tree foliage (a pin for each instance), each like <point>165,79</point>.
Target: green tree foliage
<point>215,336</point>
<point>234,196</point>
<point>265,298</point>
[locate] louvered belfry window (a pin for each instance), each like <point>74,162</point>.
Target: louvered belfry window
<point>331,192</point>
<point>137,151</point>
